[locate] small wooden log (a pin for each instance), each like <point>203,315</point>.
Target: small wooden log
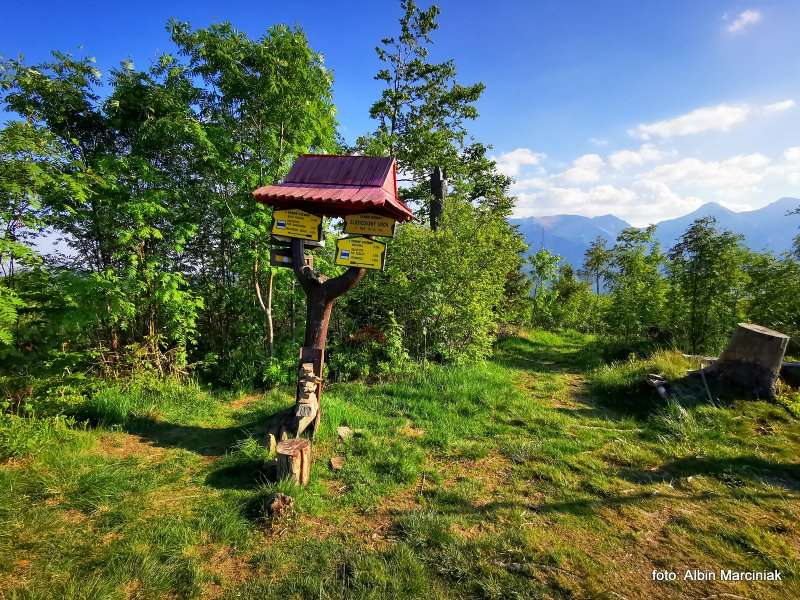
<point>294,460</point>
<point>752,360</point>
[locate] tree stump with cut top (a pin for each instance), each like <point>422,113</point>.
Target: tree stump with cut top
<point>752,360</point>
<point>294,460</point>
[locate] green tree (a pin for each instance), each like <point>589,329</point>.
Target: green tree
<point>638,288</point>
<point>422,116</point>
<point>124,190</point>
<point>705,271</point>
<point>28,163</point>
<point>444,288</point>
<point>264,102</point>
<point>596,261</point>
<point>772,292</point>
<point>543,270</point>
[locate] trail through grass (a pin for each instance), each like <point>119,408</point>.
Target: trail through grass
<point>509,479</point>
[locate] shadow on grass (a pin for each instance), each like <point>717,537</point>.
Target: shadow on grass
<point>205,441</point>
<point>452,504</point>
<point>729,470</point>
<point>245,474</point>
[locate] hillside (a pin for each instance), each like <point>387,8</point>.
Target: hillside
<point>767,228</point>
<point>511,479</point>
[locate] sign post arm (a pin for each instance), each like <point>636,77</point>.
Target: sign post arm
<point>343,283</point>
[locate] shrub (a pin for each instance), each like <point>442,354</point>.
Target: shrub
<point>21,436</point>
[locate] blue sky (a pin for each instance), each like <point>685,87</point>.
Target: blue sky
<point>644,109</point>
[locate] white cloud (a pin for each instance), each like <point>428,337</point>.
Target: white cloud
<point>512,162</point>
<point>733,174</point>
<point>585,169</point>
<point>779,106</point>
<point>602,142</point>
<point>721,117</point>
<point>623,159</point>
<point>655,180</point>
<point>641,203</point>
<point>745,19</point>
<point>790,169</point>
<point>710,118</point>
<point>792,154</point>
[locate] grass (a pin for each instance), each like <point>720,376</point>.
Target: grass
<point>526,476</point>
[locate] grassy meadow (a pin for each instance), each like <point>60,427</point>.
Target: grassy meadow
<point>537,474</point>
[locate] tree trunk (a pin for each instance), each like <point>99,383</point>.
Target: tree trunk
<point>270,326</point>
<point>266,307</point>
<point>321,293</point>
<point>752,360</point>
<point>294,461</point>
<point>439,191</point>
<point>292,311</point>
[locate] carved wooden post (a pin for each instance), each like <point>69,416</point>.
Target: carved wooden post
<point>321,293</point>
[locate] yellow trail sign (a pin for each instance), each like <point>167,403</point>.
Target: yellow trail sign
<point>369,224</point>
<point>295,223</point>
<point>360,252</point>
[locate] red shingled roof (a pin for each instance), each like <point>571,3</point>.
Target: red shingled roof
<point>335,186</point>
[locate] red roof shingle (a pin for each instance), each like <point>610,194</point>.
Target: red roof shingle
<point>335,186</point>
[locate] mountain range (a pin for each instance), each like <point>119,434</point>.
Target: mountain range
<point>768,228</point>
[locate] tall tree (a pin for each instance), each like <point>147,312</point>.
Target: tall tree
<point>596,261</point>
<point>705,269</point>
<point>264,102</point>
<point>422,116</point>
<point>637,285</point>
<point>125,184</point>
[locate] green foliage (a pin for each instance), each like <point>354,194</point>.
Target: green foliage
<point>597,261</point>
<point>691,298</point>
<point>147,397</point>
<point>706,276</point>
<point>422,115</point>
<point>772,293</point>
<point>445,289</point>
<point>25,435</point>
<point>637,287</point>
<point>150,184</point>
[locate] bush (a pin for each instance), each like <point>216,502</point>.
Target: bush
<point>369,352</point>
<point>21,436</point>
<point>147,397</point>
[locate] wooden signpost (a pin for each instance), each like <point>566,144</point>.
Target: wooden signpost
<point>363,190</point>
<point>360,252</point>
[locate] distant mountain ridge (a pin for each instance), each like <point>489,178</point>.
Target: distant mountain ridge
<point>767,228</point>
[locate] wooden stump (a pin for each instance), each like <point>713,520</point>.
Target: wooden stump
<point>294,460</point>
<point>752,360</point>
